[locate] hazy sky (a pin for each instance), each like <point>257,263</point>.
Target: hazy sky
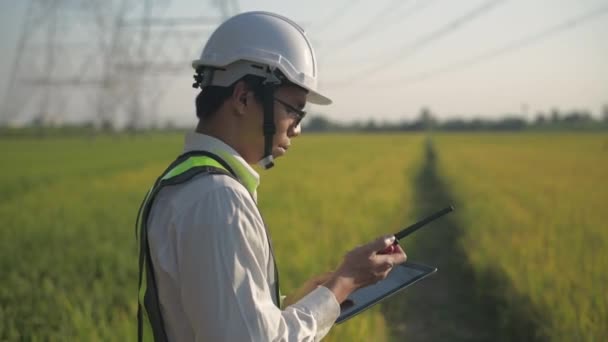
<point>372,54</point>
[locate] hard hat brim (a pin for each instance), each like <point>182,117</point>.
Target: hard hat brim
<point>318,99</point>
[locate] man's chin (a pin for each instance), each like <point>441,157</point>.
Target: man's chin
<point>278,152</point>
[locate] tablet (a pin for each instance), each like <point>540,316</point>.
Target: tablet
<point>399,278</point>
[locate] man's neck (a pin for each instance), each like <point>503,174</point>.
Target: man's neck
<point>225,133</point>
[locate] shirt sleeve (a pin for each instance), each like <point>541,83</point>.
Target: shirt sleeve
<point>223,255</point>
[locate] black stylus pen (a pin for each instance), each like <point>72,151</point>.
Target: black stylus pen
<point>409,230</point>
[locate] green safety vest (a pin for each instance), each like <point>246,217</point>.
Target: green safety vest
<point>183,169</point>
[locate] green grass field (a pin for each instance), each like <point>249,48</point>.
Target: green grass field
<point>68,206</point>
<point>533,209</point>
<point>527,252</point>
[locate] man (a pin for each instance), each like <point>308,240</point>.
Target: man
<point>209,267</point>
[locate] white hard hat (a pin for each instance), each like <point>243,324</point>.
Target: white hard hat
<point>257,43</point>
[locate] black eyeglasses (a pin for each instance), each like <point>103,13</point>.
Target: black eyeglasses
<point>294,112</point>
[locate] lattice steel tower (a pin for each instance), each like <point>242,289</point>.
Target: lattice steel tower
<point>102,61</point>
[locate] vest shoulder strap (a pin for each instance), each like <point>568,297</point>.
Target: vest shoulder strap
<point>183,169</point>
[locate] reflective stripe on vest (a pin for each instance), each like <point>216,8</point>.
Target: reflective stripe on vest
<point>184,168</point>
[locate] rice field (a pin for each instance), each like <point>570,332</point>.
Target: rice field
<point>67,247</point>
<point>529,212</point>
<point>533,209</point>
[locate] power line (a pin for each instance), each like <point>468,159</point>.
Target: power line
<point>380,23</point>
<point>408,49</point>
<point>501,51</point>
<point>337,14</point>
<point>390,7</point>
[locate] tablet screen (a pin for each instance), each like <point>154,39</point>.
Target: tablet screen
<point>399,278</point>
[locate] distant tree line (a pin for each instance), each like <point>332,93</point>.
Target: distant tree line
<point>426,120</point>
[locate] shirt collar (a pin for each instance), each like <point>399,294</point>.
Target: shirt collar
<point>195,141</point>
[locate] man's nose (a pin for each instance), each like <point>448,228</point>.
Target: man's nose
<point>294,131</point>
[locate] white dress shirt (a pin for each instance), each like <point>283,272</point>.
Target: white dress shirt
<point>214,266</point>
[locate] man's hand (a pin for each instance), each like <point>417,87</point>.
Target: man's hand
<point>365,265</point>
<point>306,288</point>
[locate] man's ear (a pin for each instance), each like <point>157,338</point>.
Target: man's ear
<point>239,97</point>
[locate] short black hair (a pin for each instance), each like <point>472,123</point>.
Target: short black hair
<point>209,100</point>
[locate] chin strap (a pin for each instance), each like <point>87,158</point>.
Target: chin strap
<point>204,77</point>
<point>270,85</point>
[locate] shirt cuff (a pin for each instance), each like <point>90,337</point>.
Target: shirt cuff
<point>324,307</point>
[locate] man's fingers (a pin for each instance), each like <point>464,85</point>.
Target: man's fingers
<point>392,259</point>
<point>399,258</point>
<point>399,255</point>
<point>399,250</point>
<point>380,243</point>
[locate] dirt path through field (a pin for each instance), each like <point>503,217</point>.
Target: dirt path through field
<point>447,306</point>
